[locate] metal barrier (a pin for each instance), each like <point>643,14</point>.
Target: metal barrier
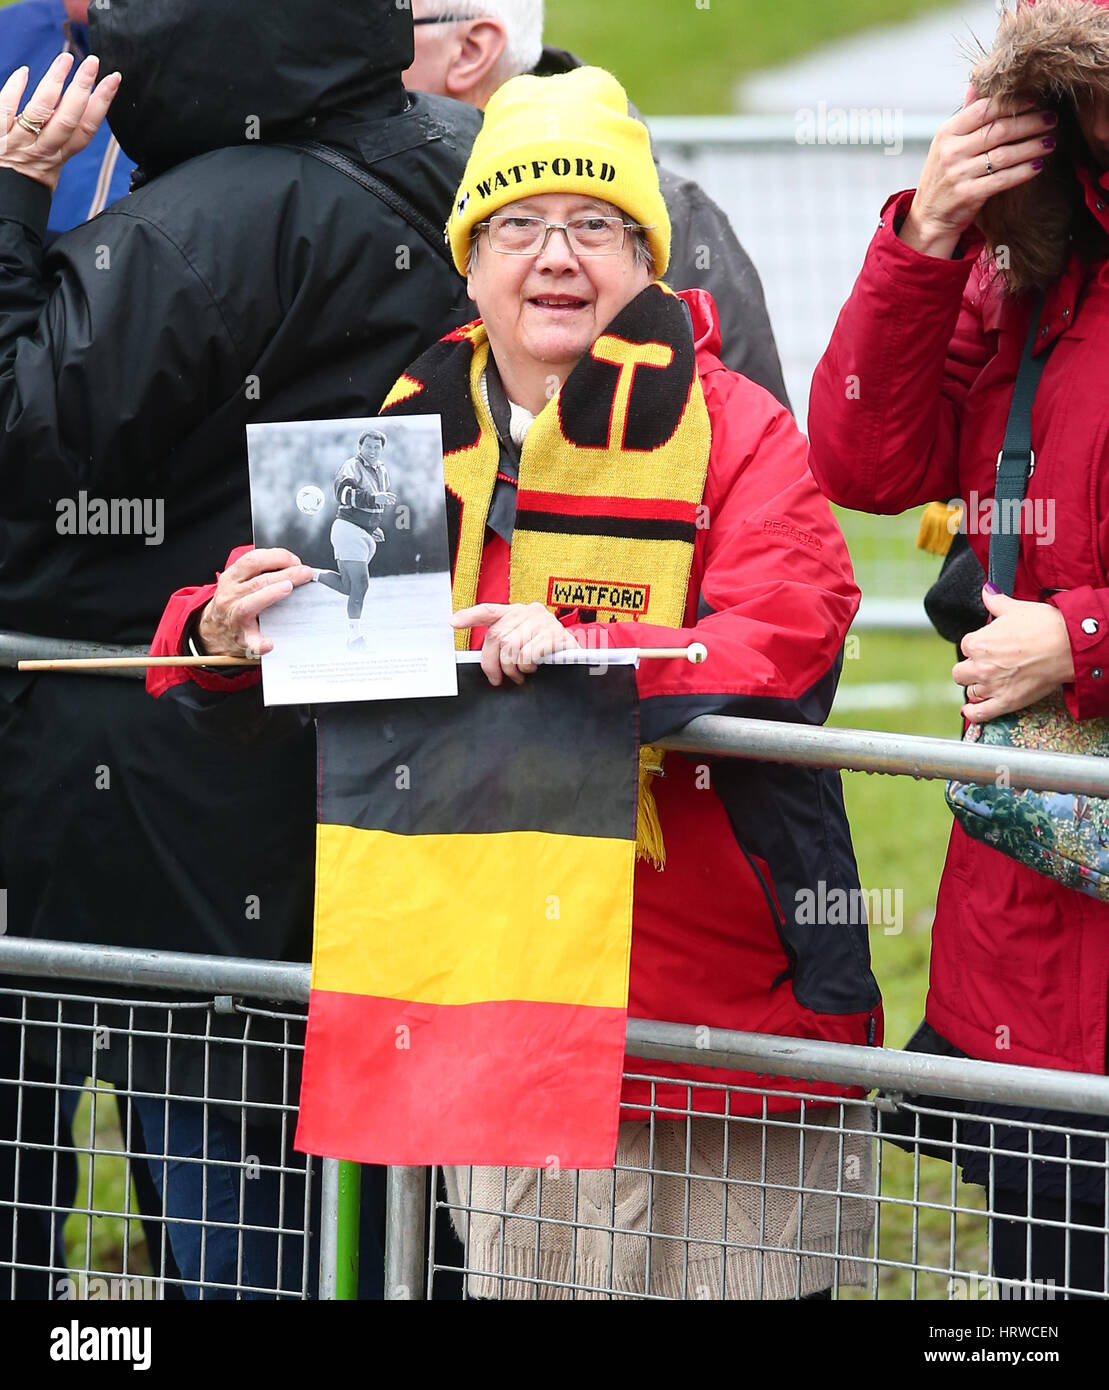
<point>720,1189</point>
<point>85,1206</point>
<point>773,1192</point>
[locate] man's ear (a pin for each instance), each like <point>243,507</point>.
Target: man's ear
<point>468,78</point>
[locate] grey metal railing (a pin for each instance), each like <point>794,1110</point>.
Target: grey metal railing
<point>770,1054</point>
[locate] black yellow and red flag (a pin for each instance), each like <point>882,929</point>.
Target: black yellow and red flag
<point>474,868</point>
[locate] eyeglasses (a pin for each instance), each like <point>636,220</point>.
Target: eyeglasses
<point>528,236</point>
<point>441,19</point>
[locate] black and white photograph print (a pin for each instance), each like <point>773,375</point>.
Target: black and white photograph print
<point>361,502</point>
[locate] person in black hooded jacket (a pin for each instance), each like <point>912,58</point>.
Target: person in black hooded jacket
<point>242,280</point>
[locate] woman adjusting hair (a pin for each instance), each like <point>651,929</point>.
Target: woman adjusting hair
<point>609,483</point>
<point>1000,254</point>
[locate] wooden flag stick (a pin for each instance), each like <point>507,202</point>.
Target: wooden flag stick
<point>695,653</point>
<point>124,663</point>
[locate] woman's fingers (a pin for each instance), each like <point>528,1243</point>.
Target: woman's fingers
<point>984,111</point>
<point>1005,158</point>
<point>293,575</point>
<point>498,651</point>
<point>63,124</point>
<point>1009,130</point>
<point>44,99</point>
<point>255,582</point>
<point>243,619</point>
<point>11,94</point>
<point>982,711</point>
<point>256,562</point>
<point>67,117</point>
<point>984,149</point>
<point>480,615</point>
<point>80,112</point>
<point>246,607</point>
<point>517,637</point>
<point>544,643</point>
<point>98,104</point>
<point>251,641</point>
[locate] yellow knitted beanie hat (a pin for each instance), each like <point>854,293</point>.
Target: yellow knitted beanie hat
<point>565,134</point>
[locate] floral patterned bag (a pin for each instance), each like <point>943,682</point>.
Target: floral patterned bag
<point>1060,834</point>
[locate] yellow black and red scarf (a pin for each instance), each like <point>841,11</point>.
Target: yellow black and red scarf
<point>611,474</point>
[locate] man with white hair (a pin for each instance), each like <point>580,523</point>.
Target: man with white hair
<point>466,48</point>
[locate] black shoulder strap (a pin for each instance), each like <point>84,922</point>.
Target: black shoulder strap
<point>1015,462</point>
<point>411,214</point>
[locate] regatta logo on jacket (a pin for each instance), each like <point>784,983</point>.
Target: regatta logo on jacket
<point>603,598</point>
<point>792,533</point>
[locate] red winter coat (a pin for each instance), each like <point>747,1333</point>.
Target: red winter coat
<point>717,936</point>
<point>909,405</point>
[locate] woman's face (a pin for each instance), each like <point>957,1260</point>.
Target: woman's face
<point>1093,121</point>
<point>548,308</point>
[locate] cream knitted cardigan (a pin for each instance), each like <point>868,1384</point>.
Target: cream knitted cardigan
<point>681,1222</point>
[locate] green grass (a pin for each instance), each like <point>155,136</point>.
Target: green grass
<point>676,58</point>
<point>97,1242</point>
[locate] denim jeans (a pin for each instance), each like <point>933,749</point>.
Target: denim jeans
<point>223,1213</point>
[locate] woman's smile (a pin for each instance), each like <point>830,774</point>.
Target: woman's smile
<point>558,304</point>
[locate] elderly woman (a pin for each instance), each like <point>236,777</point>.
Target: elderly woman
<point>610,483</point>
<point>1013,200</point>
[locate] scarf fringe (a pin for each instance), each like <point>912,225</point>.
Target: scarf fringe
<point>649,843</point>
<point>938,523</point>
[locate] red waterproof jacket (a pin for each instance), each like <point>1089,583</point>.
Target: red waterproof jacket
<point>725,936</point>
<point>909,405</point>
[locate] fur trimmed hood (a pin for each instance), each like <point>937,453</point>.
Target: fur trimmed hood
<point>1056,53</point>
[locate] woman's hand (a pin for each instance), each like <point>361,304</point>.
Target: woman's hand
<point>980,151</point>
<point>1023,655</point>
<point>53,126</point>
<point>255,582</point>
<point>517,635</point>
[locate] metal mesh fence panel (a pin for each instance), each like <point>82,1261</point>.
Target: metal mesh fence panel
<point>805,1202</point>
<point>104,1180</point>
